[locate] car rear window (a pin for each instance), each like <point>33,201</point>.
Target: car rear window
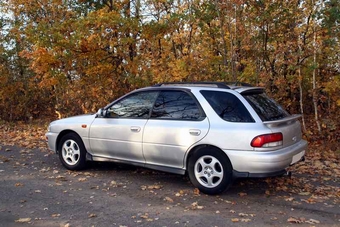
<point>227,106</point>
<point>265,107</point>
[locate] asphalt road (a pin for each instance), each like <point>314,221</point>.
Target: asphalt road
<point>35,190</point>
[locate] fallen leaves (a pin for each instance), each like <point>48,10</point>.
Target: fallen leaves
<point>289,199</point>
<point>92,215</point>
<point>195,206</point>
<point>24,135</point>
<point>304,193</point>
<point>302,220</point>
<point>151,187</point>
<point>168,199</point>
<point>235,220</point>
<point>240,220</point>
<point>246,215</point>
<point>196,191</point>
<point>19,184</point>
<point>242,194</point>
<point>4,159</point>
<point>60,178</point>
<point>82,179</point>
<point>312,221</point>
<point>316,183</point>
<point>113,184</point>
<point>144,217</point>
<point>23,220</point>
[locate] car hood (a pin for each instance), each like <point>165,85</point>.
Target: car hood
<point>72,123</point>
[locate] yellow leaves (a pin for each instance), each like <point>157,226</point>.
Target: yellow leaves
<point>44,62</point>
<point>178,69</point>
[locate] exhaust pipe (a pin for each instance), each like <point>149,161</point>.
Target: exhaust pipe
<point>288,174</point>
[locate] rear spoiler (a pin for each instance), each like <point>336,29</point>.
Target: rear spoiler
<point>285,120</point>
<point>249,90</point>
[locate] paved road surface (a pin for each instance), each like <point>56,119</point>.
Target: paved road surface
<point>35,190</point>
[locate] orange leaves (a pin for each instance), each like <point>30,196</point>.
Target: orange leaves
<point>43,63</point>
<point>109,49</point>
<point>28,136</point>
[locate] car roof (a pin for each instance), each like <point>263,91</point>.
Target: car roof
<point>236,86</point>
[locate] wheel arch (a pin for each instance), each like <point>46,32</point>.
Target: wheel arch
<point>62,134</point>
<point>201,146</point>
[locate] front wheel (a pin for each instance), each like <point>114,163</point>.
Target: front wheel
<point>210,170</point>
<point>72,152</point>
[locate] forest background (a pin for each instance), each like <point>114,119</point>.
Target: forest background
<point>66,57</point>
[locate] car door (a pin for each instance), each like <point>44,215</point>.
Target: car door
<point>119,134</point>
<point>176,123</point>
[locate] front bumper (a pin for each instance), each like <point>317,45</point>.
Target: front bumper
<point>266,163</point>
<point>51,140</point>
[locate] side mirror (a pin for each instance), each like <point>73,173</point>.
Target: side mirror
<point>101,112</point>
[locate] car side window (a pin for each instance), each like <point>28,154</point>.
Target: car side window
<point>177,105</point>
<point>227,106</point>
<point>137,105</point>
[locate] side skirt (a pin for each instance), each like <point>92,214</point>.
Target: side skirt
<point>140,164</point>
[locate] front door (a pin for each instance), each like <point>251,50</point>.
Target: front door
<point>119,134</point>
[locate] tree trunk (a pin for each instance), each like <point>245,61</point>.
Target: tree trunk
<point>315,97</point>
<point>301,100</point>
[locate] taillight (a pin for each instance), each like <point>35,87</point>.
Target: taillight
<point>267,140</point>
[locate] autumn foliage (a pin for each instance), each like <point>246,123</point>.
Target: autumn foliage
<point>61,58</point>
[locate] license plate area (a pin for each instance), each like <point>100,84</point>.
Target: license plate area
<point>297,157</point>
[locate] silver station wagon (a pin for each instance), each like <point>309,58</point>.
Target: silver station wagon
<point>212,131</point>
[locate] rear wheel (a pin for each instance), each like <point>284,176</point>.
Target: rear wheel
<point>72,152</point>
<point>210,170</point>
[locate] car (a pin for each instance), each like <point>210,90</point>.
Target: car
<point>214,132</point>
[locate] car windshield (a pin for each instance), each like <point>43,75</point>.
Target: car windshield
<point>265,107</point>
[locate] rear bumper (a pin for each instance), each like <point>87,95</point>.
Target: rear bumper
<point>262,175</point>
<point>266,163</point>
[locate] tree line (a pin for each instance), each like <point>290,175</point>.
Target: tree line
<point>66,57</point>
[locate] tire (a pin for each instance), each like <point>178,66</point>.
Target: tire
<point>72,152</point>
<point>210,170</point>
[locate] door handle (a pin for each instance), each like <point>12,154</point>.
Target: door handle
<point>195,132</point>
<point>135,129</point>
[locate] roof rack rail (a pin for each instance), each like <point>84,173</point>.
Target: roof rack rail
<point>238,83</point>
<point>204,83</point>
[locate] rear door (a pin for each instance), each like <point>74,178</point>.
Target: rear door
<point>176,123</point>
